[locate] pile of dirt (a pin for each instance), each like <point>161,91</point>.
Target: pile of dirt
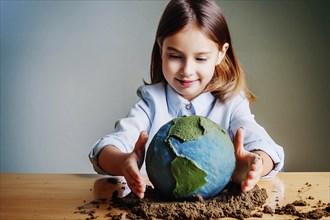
<point>232,202</point>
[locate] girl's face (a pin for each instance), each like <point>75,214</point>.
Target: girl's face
<point>188,61</point>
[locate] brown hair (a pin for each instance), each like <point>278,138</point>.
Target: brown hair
<point>228,79</point>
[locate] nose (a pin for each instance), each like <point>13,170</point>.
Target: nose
<point>188,68</point>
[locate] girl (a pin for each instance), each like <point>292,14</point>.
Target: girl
<point>194,71</point>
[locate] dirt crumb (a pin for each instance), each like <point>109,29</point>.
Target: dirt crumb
<point>299,203</point>
<point>268,210</point>
<point>317,214</point>
<point>257,215</point>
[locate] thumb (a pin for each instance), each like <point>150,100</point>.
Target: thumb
<point>140,144</point>
<point>239,140</point>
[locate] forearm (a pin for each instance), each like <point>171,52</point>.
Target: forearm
<point>268,164</point>
<point>112,160</point>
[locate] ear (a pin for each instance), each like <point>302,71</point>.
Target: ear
<point>222,53</point>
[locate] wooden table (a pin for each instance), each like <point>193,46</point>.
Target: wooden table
<point>57,196</point>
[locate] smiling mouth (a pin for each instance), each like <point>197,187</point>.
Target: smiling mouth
<point>186,83</point>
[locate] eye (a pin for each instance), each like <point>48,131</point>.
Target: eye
<point>174,56</point>
<point>202,59</point>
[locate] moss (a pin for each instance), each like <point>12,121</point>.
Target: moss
<point>192,127</point>
<point>188,176</point>
<point>209,125</point>
<point>186,128</point>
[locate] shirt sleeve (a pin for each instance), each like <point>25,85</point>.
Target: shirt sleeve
<point>255,136</point>
<point>126,133</point>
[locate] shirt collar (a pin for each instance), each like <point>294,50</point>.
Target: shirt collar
<point>201,104</point>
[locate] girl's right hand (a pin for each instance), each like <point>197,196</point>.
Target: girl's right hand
<point>132,165</point>
<point>249,166</point>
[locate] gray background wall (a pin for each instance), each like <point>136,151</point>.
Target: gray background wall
<point>70,69</point>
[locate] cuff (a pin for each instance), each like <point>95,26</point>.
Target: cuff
<point>94,154</point>
<point>94,160</point>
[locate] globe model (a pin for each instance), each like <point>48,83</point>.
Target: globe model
<point>190,156</point>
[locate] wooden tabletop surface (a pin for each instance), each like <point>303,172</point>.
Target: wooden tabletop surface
<point>57,196</point>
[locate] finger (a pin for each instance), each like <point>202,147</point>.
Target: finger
<point>140,144</point>
<point>249,184</point>
<point>257,160</point>
<point>133,172</point>
<point>142,140</point>
<point>138,191</point>
<point>252,179</point>
<point>257,164</point>
<point>136,178</point>
<point>137,187</point>
<point>239,139</point>
<point>254,175</point>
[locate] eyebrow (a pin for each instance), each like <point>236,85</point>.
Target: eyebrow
<point>176,50</point>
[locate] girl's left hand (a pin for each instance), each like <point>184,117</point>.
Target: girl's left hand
<point>249,165</point>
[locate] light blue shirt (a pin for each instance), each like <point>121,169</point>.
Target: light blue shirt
<point>159,104</point>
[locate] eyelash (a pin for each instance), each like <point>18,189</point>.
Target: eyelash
<point>201,59</point>
<point>172,56</point>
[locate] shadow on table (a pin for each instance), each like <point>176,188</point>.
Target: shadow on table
<point>106,187</point>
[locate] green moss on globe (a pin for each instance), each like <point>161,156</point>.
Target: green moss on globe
<point>187,175</point>
<point>186,128</point>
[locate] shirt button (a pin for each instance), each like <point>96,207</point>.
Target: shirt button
<point>188,106</point>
